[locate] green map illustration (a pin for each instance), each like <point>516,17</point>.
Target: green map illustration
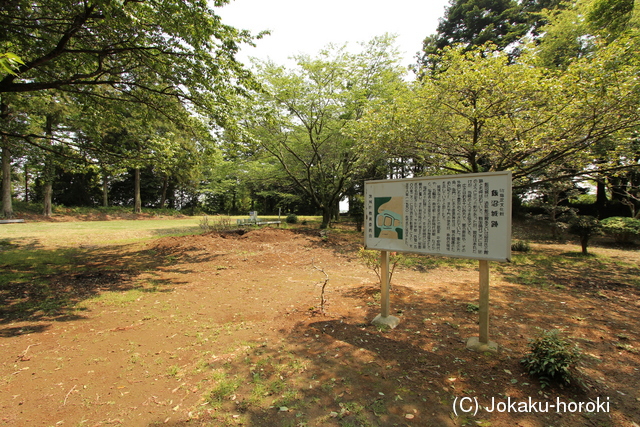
<point>389,213</point>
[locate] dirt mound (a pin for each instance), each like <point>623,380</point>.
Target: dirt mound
<point>248,240</point>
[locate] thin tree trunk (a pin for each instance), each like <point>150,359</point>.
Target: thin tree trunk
<point>7,207</point>
<point>48,171</point>
<point>327,212</point>
<point>584,242</point>
<point>105,189</point>
<point>47,194</point>
<point>137,208</point>
<point>26,183</point>
<point>601,196</point>
<point>165,185</point>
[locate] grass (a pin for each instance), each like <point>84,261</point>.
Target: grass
<point>35,256</point>
<point>224,389</point>
<point>118,298</point>
<point>549,268</point>
<point>90,233</point>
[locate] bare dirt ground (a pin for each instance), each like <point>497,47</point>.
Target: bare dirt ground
<point>226,329</point>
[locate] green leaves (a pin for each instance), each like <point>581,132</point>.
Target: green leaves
<point>482,112</point>
<point>9,62</point>
<point>301,117</point>
<point>623,229</point>
<point>550,357</point>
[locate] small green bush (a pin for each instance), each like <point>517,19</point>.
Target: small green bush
<point>622,229</point>
<point>520,246</point>
<point>550,357</point>
<point>472,308</point>
<point>292,219</point>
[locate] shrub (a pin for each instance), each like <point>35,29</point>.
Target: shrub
<point>520,246</point>
<point>219,224</point>
<point>585,227</point>
<point>622,229</point>
<point>292,219</point>
<point>371,259</point>
<point>550,357</point>
<point>472,308</point>
<point>204,224</point>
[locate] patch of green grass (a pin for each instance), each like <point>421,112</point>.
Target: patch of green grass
<point>472,308</point>
<point>173,371</point>
<point>91,233</point>
<point>223,390</point>
<point>290,397</point>
<point>120,298</point>
<point>379,407</point>
<point>626,346</point>
<point>353,414</point>
<point>554,270</point>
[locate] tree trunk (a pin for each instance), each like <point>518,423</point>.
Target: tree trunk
<point>7,207</point>
<point>601,196</point>
<point>105,189</point>
<point>327,212</point>
<point>137,202</point>
<point>165,185</point>
<point>26,183</point>
<point>47,194</point>
<point>584,241</point>
<point>48,171</point>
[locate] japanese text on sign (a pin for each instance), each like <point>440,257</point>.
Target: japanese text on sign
<point>461,215</point>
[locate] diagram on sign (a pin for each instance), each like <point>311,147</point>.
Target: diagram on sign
<point>389,224</point>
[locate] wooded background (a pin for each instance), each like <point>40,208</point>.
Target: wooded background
<point>143,103</point>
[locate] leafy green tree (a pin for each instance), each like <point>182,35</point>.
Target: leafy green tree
<point>301,117</point>
<point>482,114</point>
<point>552,195</point>
<point>585,227</point>
<point>141,52</point>
<point>178,48</point>
<point>473,23</point>
<point>590,29</point>
<point>611,18</point>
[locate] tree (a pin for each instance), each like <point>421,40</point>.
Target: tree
<point>474,23</point>
<point>142,52</point>
<point>552,196</point>
<point>177,48</point>
<point>301,117</point>
<point>579,32</point>
<point>483,113</point>
<point>585,227</point>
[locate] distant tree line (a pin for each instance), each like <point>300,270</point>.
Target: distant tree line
<point>144,104</point>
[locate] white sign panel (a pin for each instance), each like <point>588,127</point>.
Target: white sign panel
<point>466,216</point>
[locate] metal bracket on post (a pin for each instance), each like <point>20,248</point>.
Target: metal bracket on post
<point>482,342</point>
<point>384,319</point>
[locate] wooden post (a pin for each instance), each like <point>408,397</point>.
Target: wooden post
<point>384,283</point>
<point>484,302</point>
<point>482,342</point>
<point>384,319</point>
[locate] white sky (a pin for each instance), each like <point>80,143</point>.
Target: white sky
<point>306,26</point>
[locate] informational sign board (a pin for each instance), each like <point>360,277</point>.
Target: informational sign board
<point>465,216</point>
